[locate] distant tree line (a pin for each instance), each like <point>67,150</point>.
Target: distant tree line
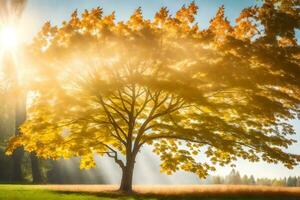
<point>234,178</point>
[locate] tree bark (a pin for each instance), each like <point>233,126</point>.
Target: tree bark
<point>20,117</point>
<point>17,175</point>
<point>35,169</point>
<point>127,174</point>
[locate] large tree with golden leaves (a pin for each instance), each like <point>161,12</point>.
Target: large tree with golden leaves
<point>110,88</point>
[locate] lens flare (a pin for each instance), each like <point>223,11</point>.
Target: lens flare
<point>8,38</point>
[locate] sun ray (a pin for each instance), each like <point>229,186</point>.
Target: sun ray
<point>8,36</point>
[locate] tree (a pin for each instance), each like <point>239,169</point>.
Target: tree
<point>6,127</point>
<point>245,180</point>
<point>234,178</point>
<point>252,180</point>
<point>291,181</point>
<point>11,11</point>
<point>264,181</point>
<point>298,181</point>
<point>10,84</point>
<point>278,182</point>
<point>217,180</point>
<point>110,88</point>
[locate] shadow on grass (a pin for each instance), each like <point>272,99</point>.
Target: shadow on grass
<point>149,196</point>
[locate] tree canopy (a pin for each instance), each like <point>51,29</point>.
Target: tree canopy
<point>108,88</point>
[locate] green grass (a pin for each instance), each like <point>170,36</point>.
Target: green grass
<point>19,192</point>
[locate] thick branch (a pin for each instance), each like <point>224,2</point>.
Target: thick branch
<point>113,122</point>
<point>115,155</point>
<point>118,112</point>
<point>171,108</point>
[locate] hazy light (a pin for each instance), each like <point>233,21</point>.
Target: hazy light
<point>8,38</point>
<point>147,171</point>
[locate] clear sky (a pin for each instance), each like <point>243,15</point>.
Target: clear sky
<point>39,11</point>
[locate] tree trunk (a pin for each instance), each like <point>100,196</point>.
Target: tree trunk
<point>127,175</point>
<point>20,117</point>
<point>17,175</point>
<point>35,169</point>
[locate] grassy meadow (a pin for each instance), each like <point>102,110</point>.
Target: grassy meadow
<point>106,192</point>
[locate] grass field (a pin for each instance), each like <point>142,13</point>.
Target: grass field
<point>106,192</point>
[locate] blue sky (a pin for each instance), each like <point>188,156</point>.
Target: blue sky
<point>39,11</point>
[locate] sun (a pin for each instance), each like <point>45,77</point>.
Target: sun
<point>8,36</point>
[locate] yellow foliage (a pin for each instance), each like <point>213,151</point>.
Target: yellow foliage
<point>109,88</point>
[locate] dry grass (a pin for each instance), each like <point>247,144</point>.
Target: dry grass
<point>182,190</point>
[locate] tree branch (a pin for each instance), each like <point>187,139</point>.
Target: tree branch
<point>113,122</point>
<point>115,155</point>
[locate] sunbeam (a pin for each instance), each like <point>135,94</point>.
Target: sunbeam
<point>8,36</point>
